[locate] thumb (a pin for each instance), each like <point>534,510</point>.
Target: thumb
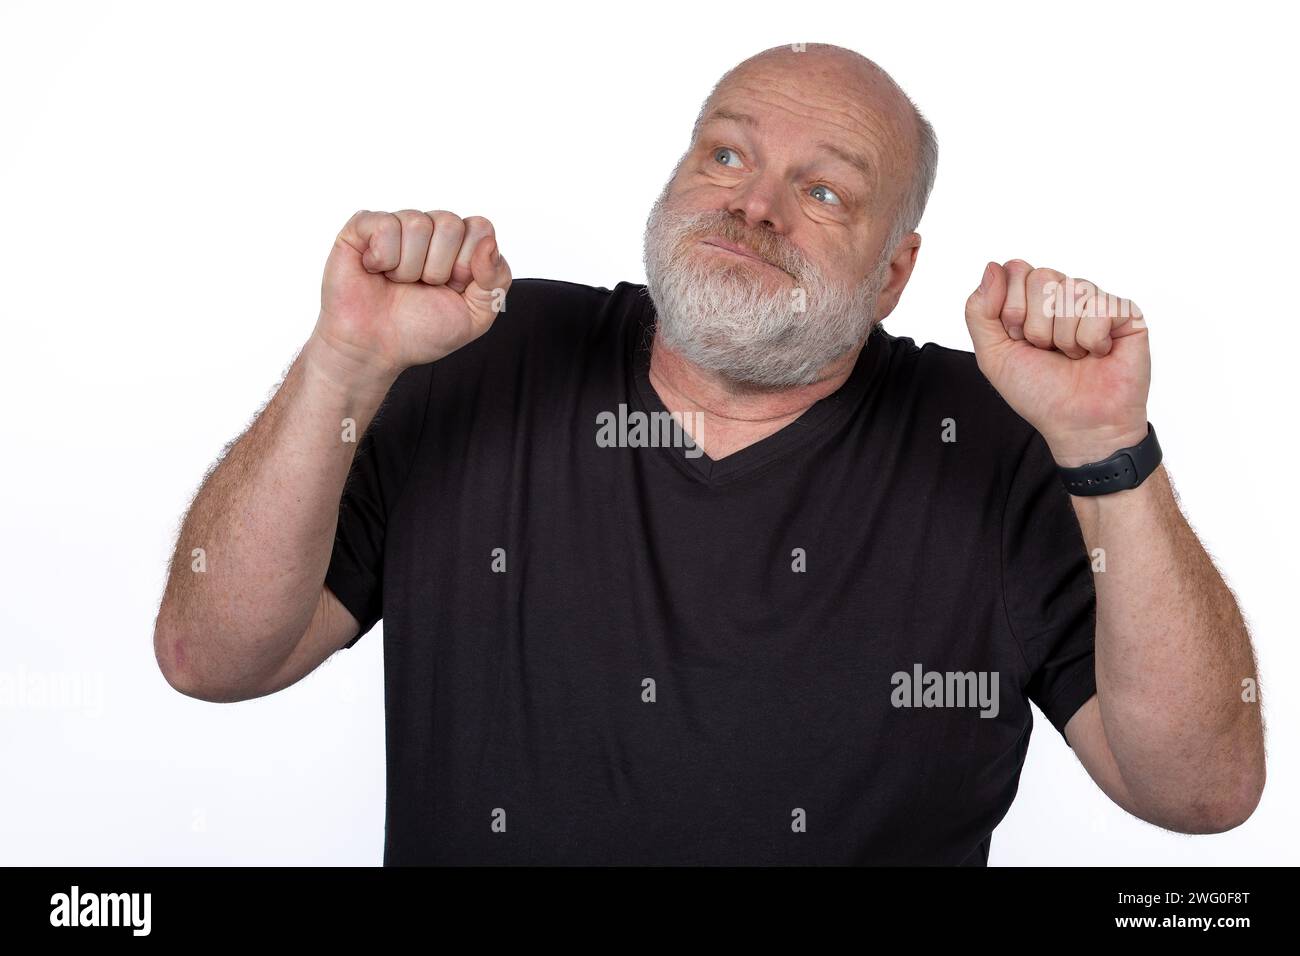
<point>485,295</point>
<point>984,309</point>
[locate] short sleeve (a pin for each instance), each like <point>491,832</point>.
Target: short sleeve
<point>1050,597</point>
<point>374,483</point>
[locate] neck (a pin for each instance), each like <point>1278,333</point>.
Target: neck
<point>734,414</point>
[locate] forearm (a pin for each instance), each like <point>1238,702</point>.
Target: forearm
<point>1172,653</point>
<point>254,547</point>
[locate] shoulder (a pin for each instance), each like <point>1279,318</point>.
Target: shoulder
<point>545,317</point>
<point>941,370</point>
<point>556,298</point>
<point>562,308</point>
<point>552,340</point>
<point>543,293</point>
<point>934,383</point>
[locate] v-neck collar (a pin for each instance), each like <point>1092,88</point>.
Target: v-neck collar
<point>822,414</point>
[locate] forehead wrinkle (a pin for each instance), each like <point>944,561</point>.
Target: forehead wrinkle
<point>853,159</point>
<point>856,160</point>
<point>852,120</point>
<point>879,139</point>
<point>847,113</point>
<point>723,113</point>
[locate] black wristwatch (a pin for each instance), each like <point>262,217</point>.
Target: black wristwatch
<point>1126,468</point>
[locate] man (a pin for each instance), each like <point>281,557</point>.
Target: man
<point>801,625</point>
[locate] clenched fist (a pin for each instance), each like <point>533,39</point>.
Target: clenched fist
<point>407,288</point>
<point>1072,360</point>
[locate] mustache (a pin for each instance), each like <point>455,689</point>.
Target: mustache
<point>767,246</point>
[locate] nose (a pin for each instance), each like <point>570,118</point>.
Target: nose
<point>758,203</point>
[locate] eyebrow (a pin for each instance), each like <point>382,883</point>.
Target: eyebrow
<point>855,160</point>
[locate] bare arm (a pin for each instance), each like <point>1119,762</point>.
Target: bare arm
<point>1172,736</point>
<point>231,617</point>
<point>245,611</point>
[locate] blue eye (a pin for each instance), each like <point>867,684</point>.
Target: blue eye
<point>818,192</point>
<point>725,151</point>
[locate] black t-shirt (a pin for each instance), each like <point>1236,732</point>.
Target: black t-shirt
<point>608,655</point>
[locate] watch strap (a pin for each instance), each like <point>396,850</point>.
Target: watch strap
<point>1126,468</point>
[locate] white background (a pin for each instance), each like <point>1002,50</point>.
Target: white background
<point>171,181</point>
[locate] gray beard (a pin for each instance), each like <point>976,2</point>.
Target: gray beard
<point>724,316</point>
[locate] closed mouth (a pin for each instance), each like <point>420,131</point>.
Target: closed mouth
<point>735,250</point>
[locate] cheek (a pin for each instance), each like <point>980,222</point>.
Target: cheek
<point>837,263</point>
<point>701,192</point>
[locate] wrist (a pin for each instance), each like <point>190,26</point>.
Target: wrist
<point>1083,448</point>
<point>345,371</point>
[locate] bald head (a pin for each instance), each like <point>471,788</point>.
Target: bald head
<point>786,232</point>
<point>910,146</point>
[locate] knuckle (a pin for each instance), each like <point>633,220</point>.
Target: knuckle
<point>447,221</point>
<point>415,220</point>
<point>437,265</point>
<point>1037,334</point>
